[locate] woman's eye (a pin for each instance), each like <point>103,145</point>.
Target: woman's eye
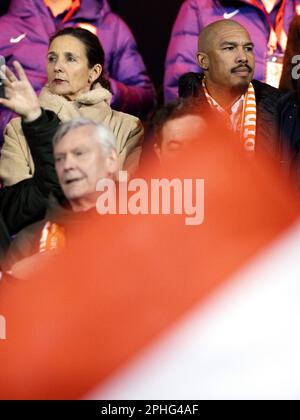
<point>51,59</point>
<point>71,59</point>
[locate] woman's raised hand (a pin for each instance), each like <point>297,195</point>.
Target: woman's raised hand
<point>20,96</point>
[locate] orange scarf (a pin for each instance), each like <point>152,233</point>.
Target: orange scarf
<point>247,123</point>
<point>248,131</point>
<point>52,238</point>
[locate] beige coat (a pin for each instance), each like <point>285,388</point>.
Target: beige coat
<point>16,162</point>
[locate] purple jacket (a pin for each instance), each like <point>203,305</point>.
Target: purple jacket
<point>132,89</point>
<point>194,15</point>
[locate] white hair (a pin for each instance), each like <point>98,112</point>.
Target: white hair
<point>103,134</point>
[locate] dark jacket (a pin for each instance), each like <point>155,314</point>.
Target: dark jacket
<point>278,120</point>
<point>27,242</point>
<point>26,202</point>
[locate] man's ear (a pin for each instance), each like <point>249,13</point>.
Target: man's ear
<point>112,164</point>
<point>202,60</point>
<point>157,151</point>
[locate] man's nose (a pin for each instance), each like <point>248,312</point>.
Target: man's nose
<point>241,55</point>
<point>68,163</point>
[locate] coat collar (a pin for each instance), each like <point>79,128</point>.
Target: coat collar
<point>267,134</point>
<point>98,98</point>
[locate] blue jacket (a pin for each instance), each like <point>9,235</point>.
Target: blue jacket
<point>24,36</point>
<point>194,15</point>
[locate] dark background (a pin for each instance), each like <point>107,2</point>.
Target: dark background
<point>3,6</point>
<point>151,22</point>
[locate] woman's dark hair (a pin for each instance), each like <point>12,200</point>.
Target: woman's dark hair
<point>288,82</point>
<point>94,50</point>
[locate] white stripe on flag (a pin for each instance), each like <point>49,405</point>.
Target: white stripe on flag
<point>243,344</point>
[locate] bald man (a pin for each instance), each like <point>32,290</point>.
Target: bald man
<point>264,118</point>
<point>225,54</point>
<point>266,20</point>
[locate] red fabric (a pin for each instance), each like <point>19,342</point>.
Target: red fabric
<point>72,11</point>
<point>127,279</point>
<point>279,17</point>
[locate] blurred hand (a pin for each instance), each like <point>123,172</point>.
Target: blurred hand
<point>20,96</point>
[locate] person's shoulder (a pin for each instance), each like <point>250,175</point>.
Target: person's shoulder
<point>126,119</point>
<point>263,90</point>
<point>24,244</point>
<point>14,124</point>
<point>190,84</point>
<point>274,99</point>
<point>108,16</point>
<point>15,121</point>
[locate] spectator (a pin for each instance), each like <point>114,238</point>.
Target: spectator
<point>266,20</point>
<point>176,126</point>
<point>265,119</point>
<point>75,88</point>
<point>26,202</point>
<point>29,24</point>
<point>84,153</point>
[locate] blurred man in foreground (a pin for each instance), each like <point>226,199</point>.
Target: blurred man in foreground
<point>176,127</point>
<point>84,153</point>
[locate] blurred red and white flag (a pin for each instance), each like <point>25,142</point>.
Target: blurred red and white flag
<point>145,307</point>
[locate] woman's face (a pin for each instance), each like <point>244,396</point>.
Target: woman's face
<point>67,69</point>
